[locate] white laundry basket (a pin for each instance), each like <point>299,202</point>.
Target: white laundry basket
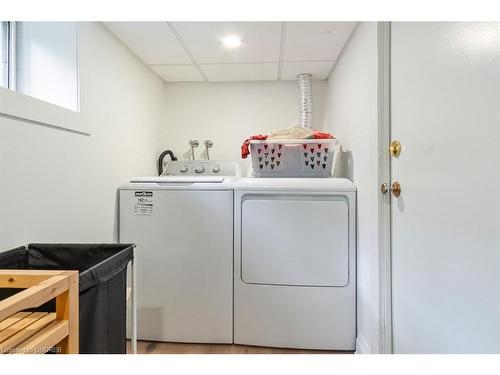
<point>292,158</point>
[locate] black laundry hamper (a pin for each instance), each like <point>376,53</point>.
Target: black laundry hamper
<point>102,281</point>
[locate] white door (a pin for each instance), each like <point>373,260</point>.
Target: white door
<point>445,110</point>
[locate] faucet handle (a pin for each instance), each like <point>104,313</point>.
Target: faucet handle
<point>193,143</point>
<point>208,144</point>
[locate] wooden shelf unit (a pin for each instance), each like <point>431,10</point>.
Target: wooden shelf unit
<point>24,332</point>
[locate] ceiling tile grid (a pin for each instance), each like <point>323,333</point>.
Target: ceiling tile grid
<point>240,72</point>
<point>260,41</point>
<point>318,69</point>
<point>178,73</point>
<point>194,51</point>
<point>153,42</point>
<point>315,41</point>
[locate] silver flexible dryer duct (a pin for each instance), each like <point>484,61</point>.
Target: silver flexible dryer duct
<point>305,100</point>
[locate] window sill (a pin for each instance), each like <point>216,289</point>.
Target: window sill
<point>27,108</point>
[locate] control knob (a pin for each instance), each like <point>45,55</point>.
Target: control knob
<point>184,169</point>
<point>199,169</point>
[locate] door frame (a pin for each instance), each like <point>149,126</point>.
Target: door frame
<point>384,176</point>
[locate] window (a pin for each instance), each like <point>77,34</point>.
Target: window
<point>40,60</point>
<point>4,54</point>
<point>47,64</point>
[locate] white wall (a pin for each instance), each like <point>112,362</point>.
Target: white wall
<point>227,113</point>
<point>351,114</point>
<point>59,186</point>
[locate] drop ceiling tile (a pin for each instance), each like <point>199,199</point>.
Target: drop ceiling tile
<point>306,41</point>
<point>153,42</point>
<point>260,41</point>
<point>240,72</point>
<point>178,73</point>
<point>318,69</point>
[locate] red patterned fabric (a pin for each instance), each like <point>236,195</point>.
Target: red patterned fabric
<point>244,147</point>
<point>322,135</point>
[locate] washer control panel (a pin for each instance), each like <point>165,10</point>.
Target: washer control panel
<point>201,168</point>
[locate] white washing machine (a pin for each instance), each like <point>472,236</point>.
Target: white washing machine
<point>295,263</point>
<point>182,224</point>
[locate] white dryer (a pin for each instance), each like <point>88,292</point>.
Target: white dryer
<point>295,263</point>
<point>182,224</point>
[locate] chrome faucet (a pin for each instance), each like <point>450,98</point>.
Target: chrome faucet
<point>208,144</point>
<point>193,143</point>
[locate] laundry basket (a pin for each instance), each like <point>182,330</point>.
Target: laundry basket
<point>102,283</point>
<point>292,158</point>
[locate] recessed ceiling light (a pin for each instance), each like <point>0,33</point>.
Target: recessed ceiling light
<point>231,41</point>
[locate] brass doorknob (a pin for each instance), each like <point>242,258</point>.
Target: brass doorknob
<point>384,188</point>
<point>395,148</point>
<point>395,189</point>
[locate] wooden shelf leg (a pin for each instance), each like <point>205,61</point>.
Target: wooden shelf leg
<point>67,309</point>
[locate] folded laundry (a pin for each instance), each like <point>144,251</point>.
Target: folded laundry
<point>295,132</point>
<point>289,133</point>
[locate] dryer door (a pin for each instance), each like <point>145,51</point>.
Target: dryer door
<point>295,240</point>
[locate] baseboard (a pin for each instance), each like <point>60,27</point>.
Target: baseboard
<point>362,346</point>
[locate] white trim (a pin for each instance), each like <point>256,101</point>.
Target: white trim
<point>384,176</point>
<point>26,108</point>
<point>12,56</point>
<point>362,346</point>
<point>78,67</point>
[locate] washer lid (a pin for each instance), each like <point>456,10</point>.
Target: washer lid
<point>178,179</point>
<point>330,184</point>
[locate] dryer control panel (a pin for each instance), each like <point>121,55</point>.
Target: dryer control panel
<point>202,168</point>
